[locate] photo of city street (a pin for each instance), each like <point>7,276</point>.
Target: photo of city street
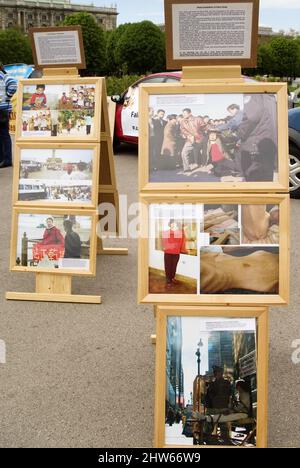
<point>60,175</point>
<point>211,384</point>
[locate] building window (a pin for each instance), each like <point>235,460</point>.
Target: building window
<point>57,18</point>
<point>100,20</point>
<point>30,17</point>
<point>10,25</point>
<point>10,15</point>
<point>44,18</point>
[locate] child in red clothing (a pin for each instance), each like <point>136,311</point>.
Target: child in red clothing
<point>38,99</point>
<point>173,245</point>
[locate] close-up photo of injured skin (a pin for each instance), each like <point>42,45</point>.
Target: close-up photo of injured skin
<point>257,272</point>
<point>260,226</point>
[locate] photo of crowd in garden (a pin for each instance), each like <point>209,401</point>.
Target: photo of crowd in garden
<point>58,97</point>
<point>58,110</point>
<point>213,138</point>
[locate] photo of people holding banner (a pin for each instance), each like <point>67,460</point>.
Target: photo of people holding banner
<point>214,138</point>
<point>53,241</point>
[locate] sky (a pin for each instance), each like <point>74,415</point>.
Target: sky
<point>279,14</point>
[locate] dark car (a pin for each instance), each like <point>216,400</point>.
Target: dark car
<point>294,151</point>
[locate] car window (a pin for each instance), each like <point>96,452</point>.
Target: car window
<point>154,79</point>
<point>171,79</point>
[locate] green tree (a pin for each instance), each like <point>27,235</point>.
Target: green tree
<point>141,49</point>
<point>93,41</point>
<point>285,56</point>
<point>14,47</point>
<point>265,62</point>
<point>113,38</point>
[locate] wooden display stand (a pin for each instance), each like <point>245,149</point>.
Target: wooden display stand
<point>201,75</point>
<point>108,192</point>
<point>58,288</point>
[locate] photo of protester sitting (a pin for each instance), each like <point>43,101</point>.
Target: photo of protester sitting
<point>217,138</point>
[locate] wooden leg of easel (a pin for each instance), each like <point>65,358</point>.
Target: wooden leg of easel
<point>53,288</point>
<point>110,250</point>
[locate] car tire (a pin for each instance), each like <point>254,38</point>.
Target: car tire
<point>116,146</point>
<point>294,164</point>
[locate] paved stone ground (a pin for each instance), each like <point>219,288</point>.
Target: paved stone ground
<point>83,375</point>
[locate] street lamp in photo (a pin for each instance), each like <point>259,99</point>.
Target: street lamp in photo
<point>198,389</point>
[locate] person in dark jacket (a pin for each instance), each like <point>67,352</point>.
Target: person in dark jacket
<point>8,87</point>
<point>72,241</point>
<point>218,398</point>
<point>158,123</point>
<point>258,138</point>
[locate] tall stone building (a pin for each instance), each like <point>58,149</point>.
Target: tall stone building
<point>26,14</point>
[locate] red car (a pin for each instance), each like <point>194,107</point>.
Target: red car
<point>126,125</point>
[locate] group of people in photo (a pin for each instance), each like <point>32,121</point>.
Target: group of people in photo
<point>70,243</point>
<point>242,144</point>
<point>58,122</point>
<point>75,97</point>
<point>79,97</point>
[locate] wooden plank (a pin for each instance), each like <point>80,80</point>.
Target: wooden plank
<point>71,298</point>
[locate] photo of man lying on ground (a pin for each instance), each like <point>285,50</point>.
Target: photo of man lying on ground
<point>213,138</point>
<point>239,270</point>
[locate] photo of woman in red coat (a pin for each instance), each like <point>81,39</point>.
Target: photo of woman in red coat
<point>173,241</point>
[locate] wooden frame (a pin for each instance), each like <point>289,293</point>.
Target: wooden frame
<point>261,314</point>
<point>280,89</point>
<point>175,63</point>
<point>58,146</point>
<point>226,299</point>
<point>52,211</point>
<point>93,137</point>
<point>80,65</point>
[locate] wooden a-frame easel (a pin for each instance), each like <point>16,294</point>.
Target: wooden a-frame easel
<point>58,288</point>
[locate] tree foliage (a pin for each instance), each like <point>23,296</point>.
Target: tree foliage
<point>93,41</point>
<point>284,53</point>
<point>14,47</point>
<point>280,57</point>
<point>140,48</point>
<point>113,38</point>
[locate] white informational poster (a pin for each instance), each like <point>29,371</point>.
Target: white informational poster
<point>130,112</point>
<point>57,47</point>
<point>212,31</point>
